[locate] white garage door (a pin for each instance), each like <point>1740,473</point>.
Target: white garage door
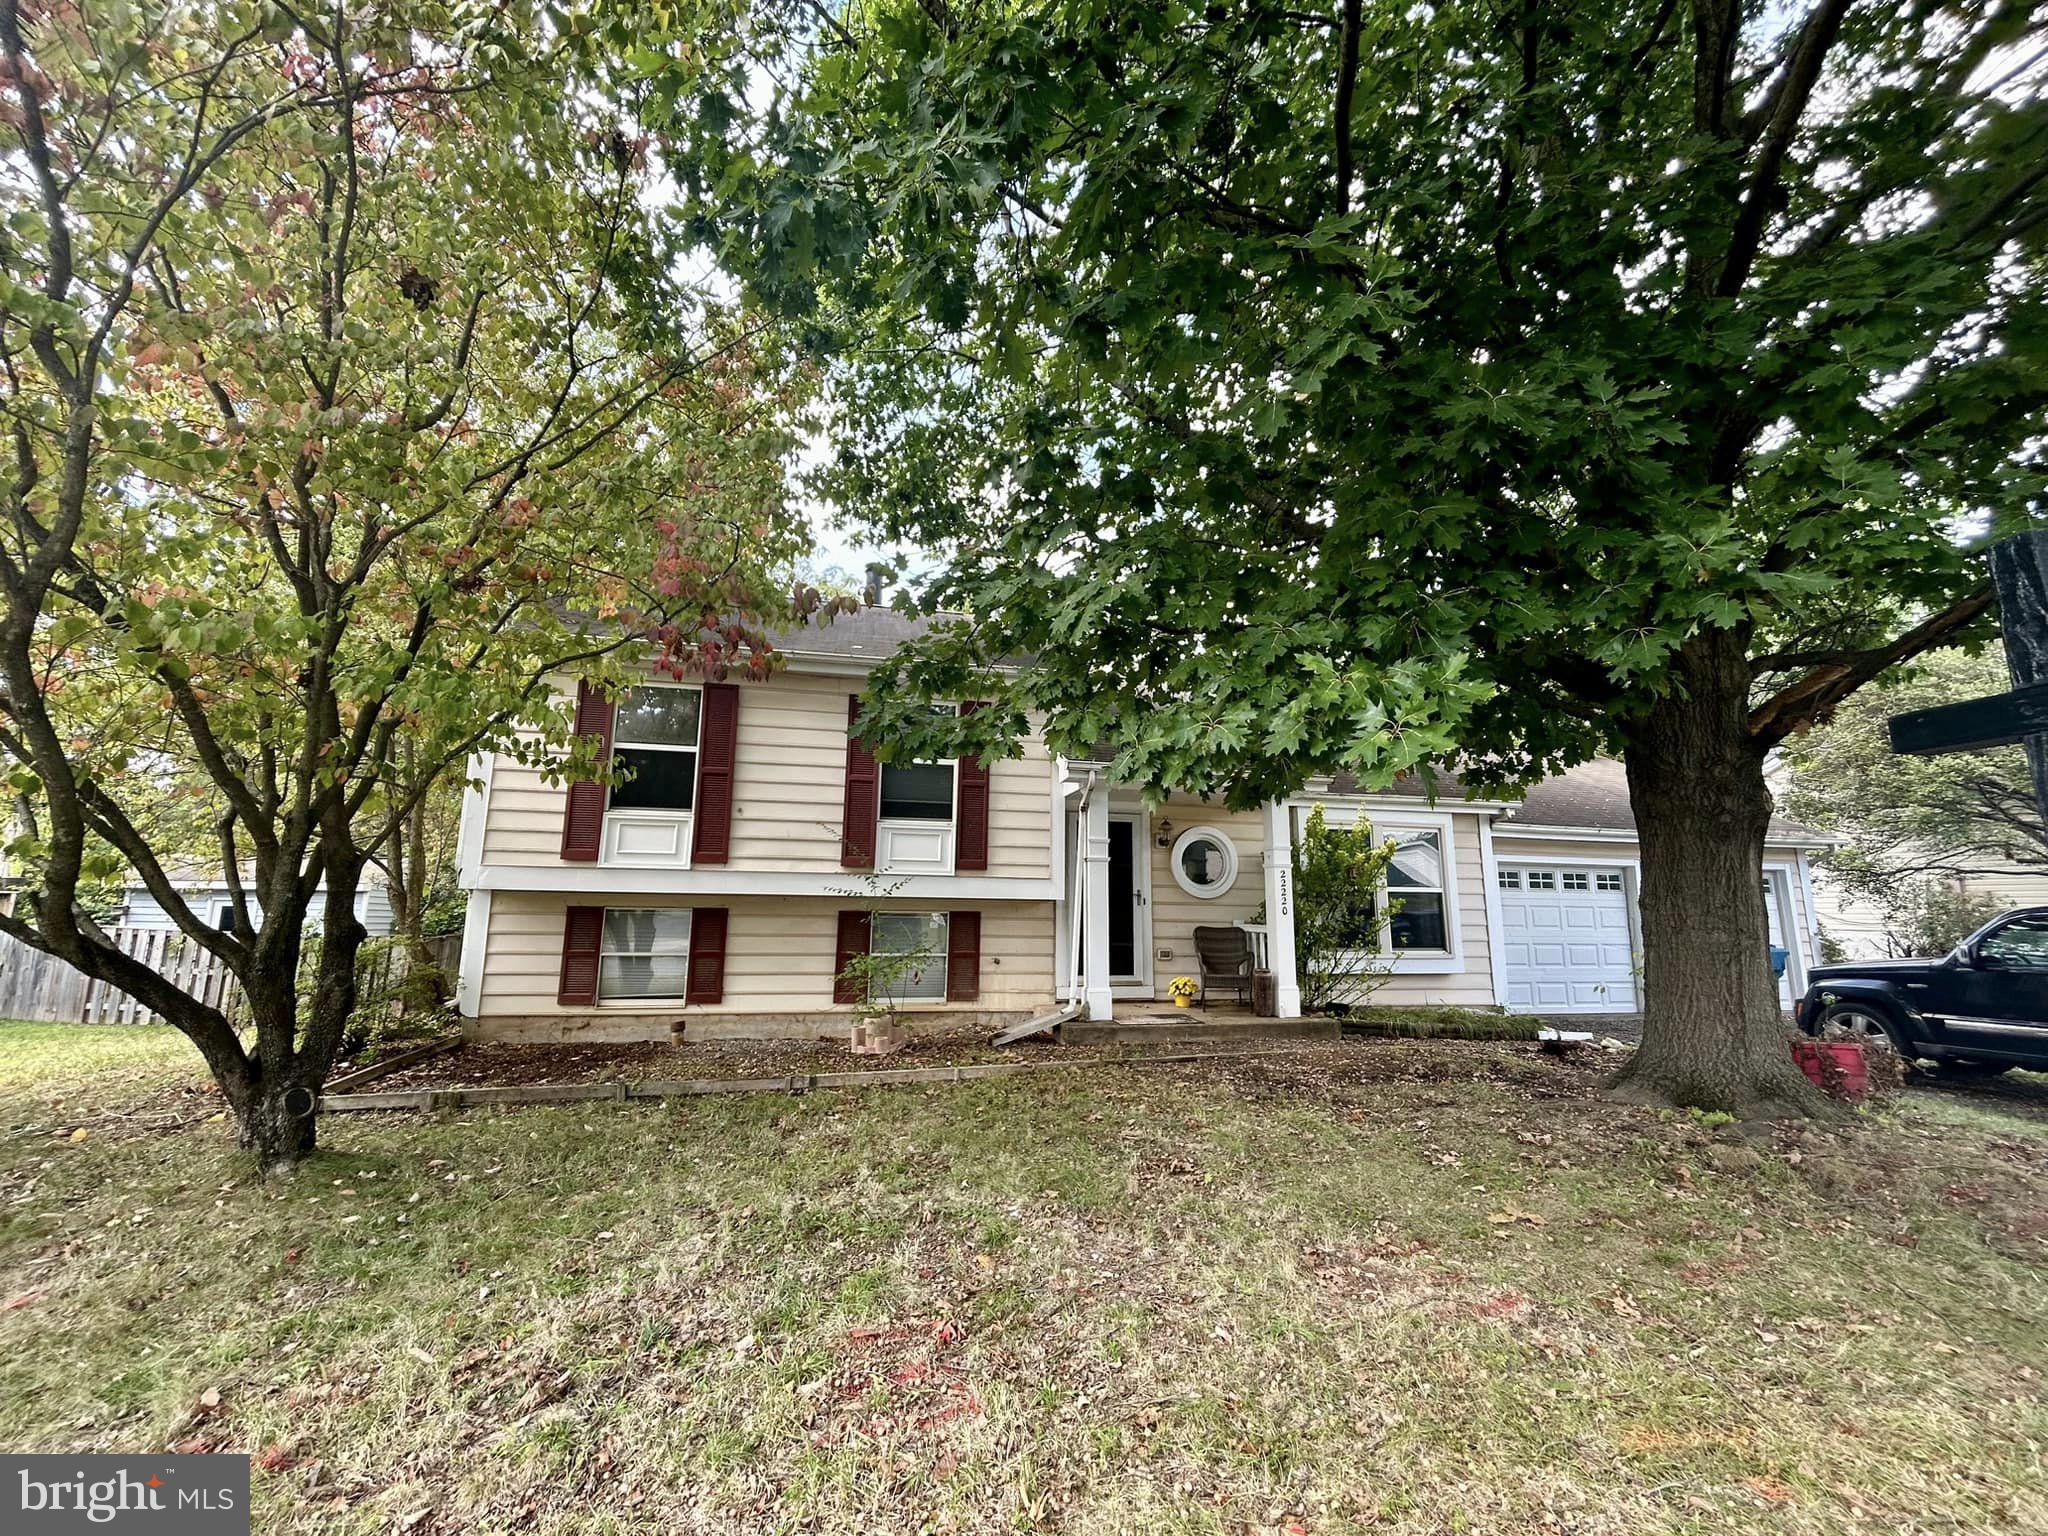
<point>1565,938</point>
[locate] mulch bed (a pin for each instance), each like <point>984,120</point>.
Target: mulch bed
<point>495,1064</point>
<point>1350,1062</point>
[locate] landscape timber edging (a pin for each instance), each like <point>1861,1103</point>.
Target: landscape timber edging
<point>398,1063</point>
<point>654,1090</point>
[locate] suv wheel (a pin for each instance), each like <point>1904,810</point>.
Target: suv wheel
<point>1859,1022</point>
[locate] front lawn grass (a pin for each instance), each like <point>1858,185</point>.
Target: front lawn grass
<point>1377,1286</point>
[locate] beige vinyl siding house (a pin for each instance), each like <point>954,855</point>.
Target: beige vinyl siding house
<point>1860,926</point>
<point>722,886</point>
<point>778,972</point>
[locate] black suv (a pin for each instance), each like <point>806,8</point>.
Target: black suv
<point>1983,1007</point>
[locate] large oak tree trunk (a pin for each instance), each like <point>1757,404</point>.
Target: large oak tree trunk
<point>1714,1036</point>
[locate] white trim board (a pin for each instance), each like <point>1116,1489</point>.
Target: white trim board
<point>1496,952</point>
<point>709,880</point>
<point>1513,829</point>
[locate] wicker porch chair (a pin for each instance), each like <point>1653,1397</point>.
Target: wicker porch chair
<point>1225,957</point>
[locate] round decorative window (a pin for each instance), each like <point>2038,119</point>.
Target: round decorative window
<point>1204,862</point>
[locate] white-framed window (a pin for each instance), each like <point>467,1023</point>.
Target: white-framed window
<point>654,743</point>
<point>1204,862</point>
<point>1416,888</point>
<point>1575,880</point>
<point>918,814</point>
<point>1542,880</point>
<point>643,954</point>
<point>1510,880</point>
<point>1610,881</point>
<point>1415,918</point>
<point>920,936</point>
<point>918,791</point>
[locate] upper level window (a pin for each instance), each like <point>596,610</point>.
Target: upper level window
<point>1415,883</point>
<point>917,792</point>
<point>654,739</point>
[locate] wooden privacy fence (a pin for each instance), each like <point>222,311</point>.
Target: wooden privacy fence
<point>41,987</point>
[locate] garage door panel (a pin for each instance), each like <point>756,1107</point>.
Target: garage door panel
<point>1566,943</point>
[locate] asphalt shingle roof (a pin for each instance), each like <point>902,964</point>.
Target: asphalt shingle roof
<point>867,634</point>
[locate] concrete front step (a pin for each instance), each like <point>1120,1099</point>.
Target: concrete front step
<point>1164,1029</point>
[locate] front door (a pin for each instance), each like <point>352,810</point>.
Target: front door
<point>1130,926</point>
<point>1125,900</point>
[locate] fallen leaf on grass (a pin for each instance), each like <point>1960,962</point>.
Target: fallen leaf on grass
<point>278,1458</point>
<point>20,1301</point>
<point>1512,1215</point>
<point>81,1133</point>
<point>1768,1488</point>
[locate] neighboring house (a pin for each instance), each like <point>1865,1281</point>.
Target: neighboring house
<point>1862,928</point>
<point>212,901</point>
<point>758,847</point>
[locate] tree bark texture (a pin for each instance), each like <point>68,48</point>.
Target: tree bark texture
<point>1714,1036</point>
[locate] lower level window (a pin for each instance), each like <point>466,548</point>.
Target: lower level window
<point>1415,882</point>
<point>645,952</point>
<point>915,945</point>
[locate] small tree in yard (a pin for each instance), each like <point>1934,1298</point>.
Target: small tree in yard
<point>1345,388</point>
<point>1341,912</point>
<point>349,393</point>
<point>1931,917</point>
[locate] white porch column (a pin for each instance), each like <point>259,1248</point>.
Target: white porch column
<point>1280,911</point>
<point>1094,907</point>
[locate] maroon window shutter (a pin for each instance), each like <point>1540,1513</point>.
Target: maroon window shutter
<point>717,744</point>
<point>583,817</point>
<point>705,982</point>
<point>853,943</point>
<point>970,814</point>
<point>582,928</point>
<point>963,957</point>
<point>863,796</point>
